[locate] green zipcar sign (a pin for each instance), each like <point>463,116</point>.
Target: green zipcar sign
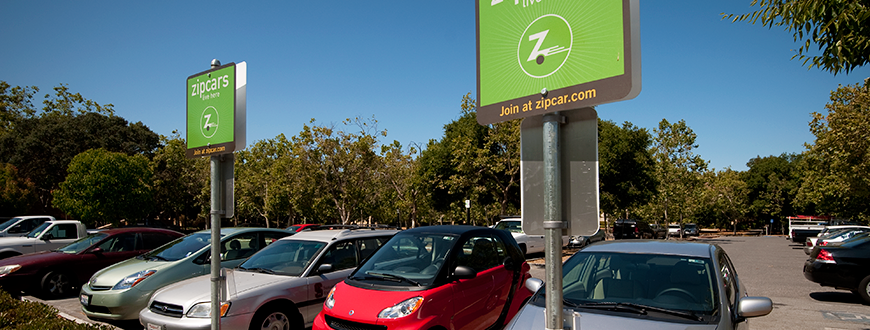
<point>211,100</point>
<point>541,56</point>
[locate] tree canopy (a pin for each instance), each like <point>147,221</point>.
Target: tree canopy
<point>105,187</point>
<point>840,28</point>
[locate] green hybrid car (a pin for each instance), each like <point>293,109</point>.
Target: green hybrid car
<point>120,291</point>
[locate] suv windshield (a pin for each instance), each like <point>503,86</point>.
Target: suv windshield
<point>511,226</point>
<point>180,248</point>
<point>675,283</point>
<point>38,230</point>
<point>8,223</point>
<point>407,260</point>
<point>284,257</point>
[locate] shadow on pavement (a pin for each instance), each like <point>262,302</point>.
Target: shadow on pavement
<point>840,297</point>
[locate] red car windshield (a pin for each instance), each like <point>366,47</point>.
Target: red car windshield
<point>407,260</point>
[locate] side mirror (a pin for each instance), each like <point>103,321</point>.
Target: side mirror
<point>47,236</point>
<point>534,284</point>
<point>97,250</point>
<point>464,272</point>
<point>753,307</point>
<point>324,268</point>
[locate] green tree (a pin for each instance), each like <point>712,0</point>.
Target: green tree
<point>836,168</point>
<point>678,171</point>
<point>263,187</point>
<point>840,28</point>
<point>17,194</point>
<point>342,165</point>
<point>398,174</point>
<point>106,187</point>
<point>42,147</point>
<point>772,183</point>
<point>722,199</point>
<point>178,183</point>
<point>625,166</point>
<point>473,162</point>
<point>16,103</point>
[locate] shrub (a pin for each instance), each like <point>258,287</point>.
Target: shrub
<point>25,315</point>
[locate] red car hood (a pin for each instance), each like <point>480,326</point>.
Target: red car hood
<point>34,261</point>
<point>367,304</point>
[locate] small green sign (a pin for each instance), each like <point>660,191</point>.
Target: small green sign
<point>581,52</point>
<point>211,101</point>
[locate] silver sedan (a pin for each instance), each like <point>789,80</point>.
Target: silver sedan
<point>650,284</point>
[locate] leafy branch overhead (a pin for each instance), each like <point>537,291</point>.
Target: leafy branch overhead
<point>840,29</point>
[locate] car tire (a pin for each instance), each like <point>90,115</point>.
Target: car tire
<point>276,316</point>
<point>56,284</point>
<point>864,289</point>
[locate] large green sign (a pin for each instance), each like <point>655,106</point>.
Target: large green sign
<point>541,56</point>
<point>211,101</point>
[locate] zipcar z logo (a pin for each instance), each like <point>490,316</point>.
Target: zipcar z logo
<point>208,122</point>
<point>544,46</point>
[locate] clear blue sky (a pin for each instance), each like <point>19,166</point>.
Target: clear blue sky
<point>407,63</point>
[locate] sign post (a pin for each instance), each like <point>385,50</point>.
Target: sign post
<point>541,57</point>
<point>216,128</point>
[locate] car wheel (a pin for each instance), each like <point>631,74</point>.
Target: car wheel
<point>274,317</point>
<point>56,285</point>
<point>864,289</point>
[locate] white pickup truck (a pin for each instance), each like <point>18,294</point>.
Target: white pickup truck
<point>21,225</point>
<point>528,243</point>
<point>48,236</point>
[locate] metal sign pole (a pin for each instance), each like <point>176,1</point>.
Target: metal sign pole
<point>215,243</point>
<point>215,235</point>
<point>553,223</point>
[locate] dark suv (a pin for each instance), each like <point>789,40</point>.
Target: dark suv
<point>630,228</point>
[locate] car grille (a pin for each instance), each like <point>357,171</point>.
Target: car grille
<point>97,309</point>
<point>167,309</point>
<point>339,324</point>
<point>100,288</point>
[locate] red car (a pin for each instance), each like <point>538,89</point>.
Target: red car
<point>441,277</point>
<point>59,273</point>
<point>302,227</point>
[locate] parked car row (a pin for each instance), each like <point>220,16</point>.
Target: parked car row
<point>442,277</point>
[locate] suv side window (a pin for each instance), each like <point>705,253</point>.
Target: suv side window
<point>341,255</point>
<point>63,231</point>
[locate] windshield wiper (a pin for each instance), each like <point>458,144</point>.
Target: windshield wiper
<point>639,309</point>
<point>259,270</point>
<point>394,277</point>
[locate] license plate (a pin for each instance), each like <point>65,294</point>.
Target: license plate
<point>154,327</point>
<point>85,299</point>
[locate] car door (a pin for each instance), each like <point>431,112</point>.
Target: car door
<point>343,257</point>
<point>112,250</point>
<point>475,299</point>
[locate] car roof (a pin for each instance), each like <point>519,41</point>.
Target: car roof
<point>113,231</point>
<point>235,230</point>
<point>670,247</point>
<point>449,229</point>
<point>335,234</point>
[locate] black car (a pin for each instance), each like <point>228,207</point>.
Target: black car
<point>846,266</point>
<point>630,228</point>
